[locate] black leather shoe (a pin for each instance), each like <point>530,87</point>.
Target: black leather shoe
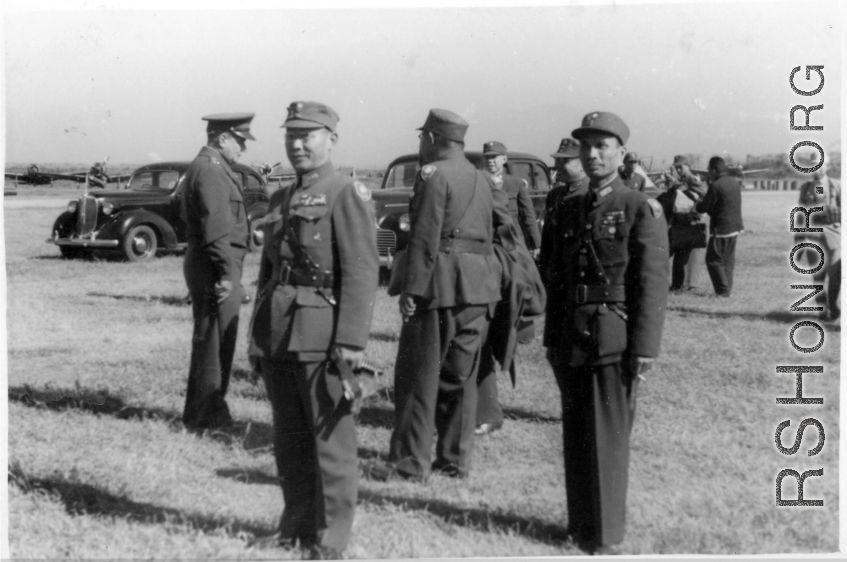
<point>387,472</point>
<point>274,540</point>
<point>487,428</point>
<point>449,469</point>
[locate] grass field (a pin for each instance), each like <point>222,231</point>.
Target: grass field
<point>100,466</point>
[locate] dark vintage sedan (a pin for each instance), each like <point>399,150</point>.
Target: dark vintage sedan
<point>391,201</point>
<point>145,217</point>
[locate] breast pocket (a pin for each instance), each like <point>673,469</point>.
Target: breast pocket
<point>314,322</point>
<point>236,207</point>
<point>314,229</point>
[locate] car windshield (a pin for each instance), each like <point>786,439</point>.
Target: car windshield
<point>402,175</point>
<point>154,180</point>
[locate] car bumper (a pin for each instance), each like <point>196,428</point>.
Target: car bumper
<point>81,242</point>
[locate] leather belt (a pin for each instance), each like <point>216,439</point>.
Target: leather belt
<point>460,245</point>
<point>286,275</point>
<point>595,294</point>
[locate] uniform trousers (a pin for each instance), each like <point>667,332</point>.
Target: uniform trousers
<point>435,388</point>
<point>685,268</point>
<point>598,409</point>
<point>213,341</point>
<point>315,449</point>
<point>488,409</point>
<point>720,263</point>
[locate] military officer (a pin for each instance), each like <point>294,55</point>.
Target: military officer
<point>316,291</point>
<point>630,177</point>
<point>216,224</point>
<point>823,191</point>
<point>604,328</point>
<point>449,290</point>
<point>570,179</point>
<point>520,204</point>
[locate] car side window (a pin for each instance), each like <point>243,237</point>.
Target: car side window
<point>402,175</point>
<point>252,183</point>
<point>523,171</point>
<point>154,180</point>
<point>541,181</point>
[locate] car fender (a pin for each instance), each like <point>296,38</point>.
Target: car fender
<point>117,228</point>
<point>64,224</point>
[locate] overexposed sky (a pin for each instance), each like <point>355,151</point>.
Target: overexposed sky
<point>708,78</point>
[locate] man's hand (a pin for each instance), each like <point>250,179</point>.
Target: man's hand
<point>222,289</point>
<point>352,356</point>
<point>534,253</point>
<point>639,365</point>
<point>407,305</point>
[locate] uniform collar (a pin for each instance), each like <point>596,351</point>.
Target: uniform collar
<point>314,176</point>
<point>604,188</point>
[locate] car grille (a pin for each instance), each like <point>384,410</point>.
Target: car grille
<point>86,215</point>
<point>386,242</point>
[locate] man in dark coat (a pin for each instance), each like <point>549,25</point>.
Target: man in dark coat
<point>630,177</point>
<point>603,328</point>
<point>317,288</point>
<point>449,290</point>
<point>723,205</point>
<point>216,224</point>
<point>519,203</point>
<point>570,180</point>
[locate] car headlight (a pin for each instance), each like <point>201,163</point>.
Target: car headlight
<point>108,208</point>
<point>404,223</point>
<point>72,207</point>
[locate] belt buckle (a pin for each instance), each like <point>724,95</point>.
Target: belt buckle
<point>581,294</point>
<point>284,274</point>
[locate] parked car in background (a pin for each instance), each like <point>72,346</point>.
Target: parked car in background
<point>145,217</point>
<point>391,201</point>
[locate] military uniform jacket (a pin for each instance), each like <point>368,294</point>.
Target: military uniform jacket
<point>555,196</point>
<point>633,181</point>
<point>321,228</point>
<point>629,235</point>
<point>450,261</point>
<point>723,204</point>
<point>520,207</point>
<point>213,210</point>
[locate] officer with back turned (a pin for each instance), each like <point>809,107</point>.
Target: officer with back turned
<point>603,327</point>
<point>213,210</point>
<point>317,288</point>
<point>450,287</point>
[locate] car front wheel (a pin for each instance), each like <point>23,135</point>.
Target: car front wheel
<point>140,244</point>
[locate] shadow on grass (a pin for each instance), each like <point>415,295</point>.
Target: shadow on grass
<point>781,316</point>
<point>478,519</point>
<point>374,416</point>
<point>79,498</point>
<point>524,415</point>
<point>169,300</point>
<point>251,476</point>
<point>87,400</point>
<point>384,336</point>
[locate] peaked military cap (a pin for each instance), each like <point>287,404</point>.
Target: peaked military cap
<point>493,147</point>
<point>446,124</point>
<point>310,115</point>
<point>630,157</point>
<point>679,160</point>
<point>236,123</point>
<point>568,148</point>
<point>603,122</point>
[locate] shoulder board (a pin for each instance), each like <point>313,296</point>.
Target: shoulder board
<point>362,191</point>
<point>427,171</point>
<point>655,207</point>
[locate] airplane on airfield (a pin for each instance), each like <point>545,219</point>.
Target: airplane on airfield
<point>34,176</point>
<point>737,172</point>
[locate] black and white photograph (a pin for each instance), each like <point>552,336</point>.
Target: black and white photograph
<point>442,279</point>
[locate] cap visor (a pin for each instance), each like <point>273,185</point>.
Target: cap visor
<point>576,133</point>
<point>244,135</point>
<point>303,124</point>
<point>493,153</point>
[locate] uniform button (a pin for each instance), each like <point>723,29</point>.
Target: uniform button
<point>582,274</point>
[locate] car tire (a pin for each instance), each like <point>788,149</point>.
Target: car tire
<point>257,234</point>
<point>73,253</point>
<point>139,244</point>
